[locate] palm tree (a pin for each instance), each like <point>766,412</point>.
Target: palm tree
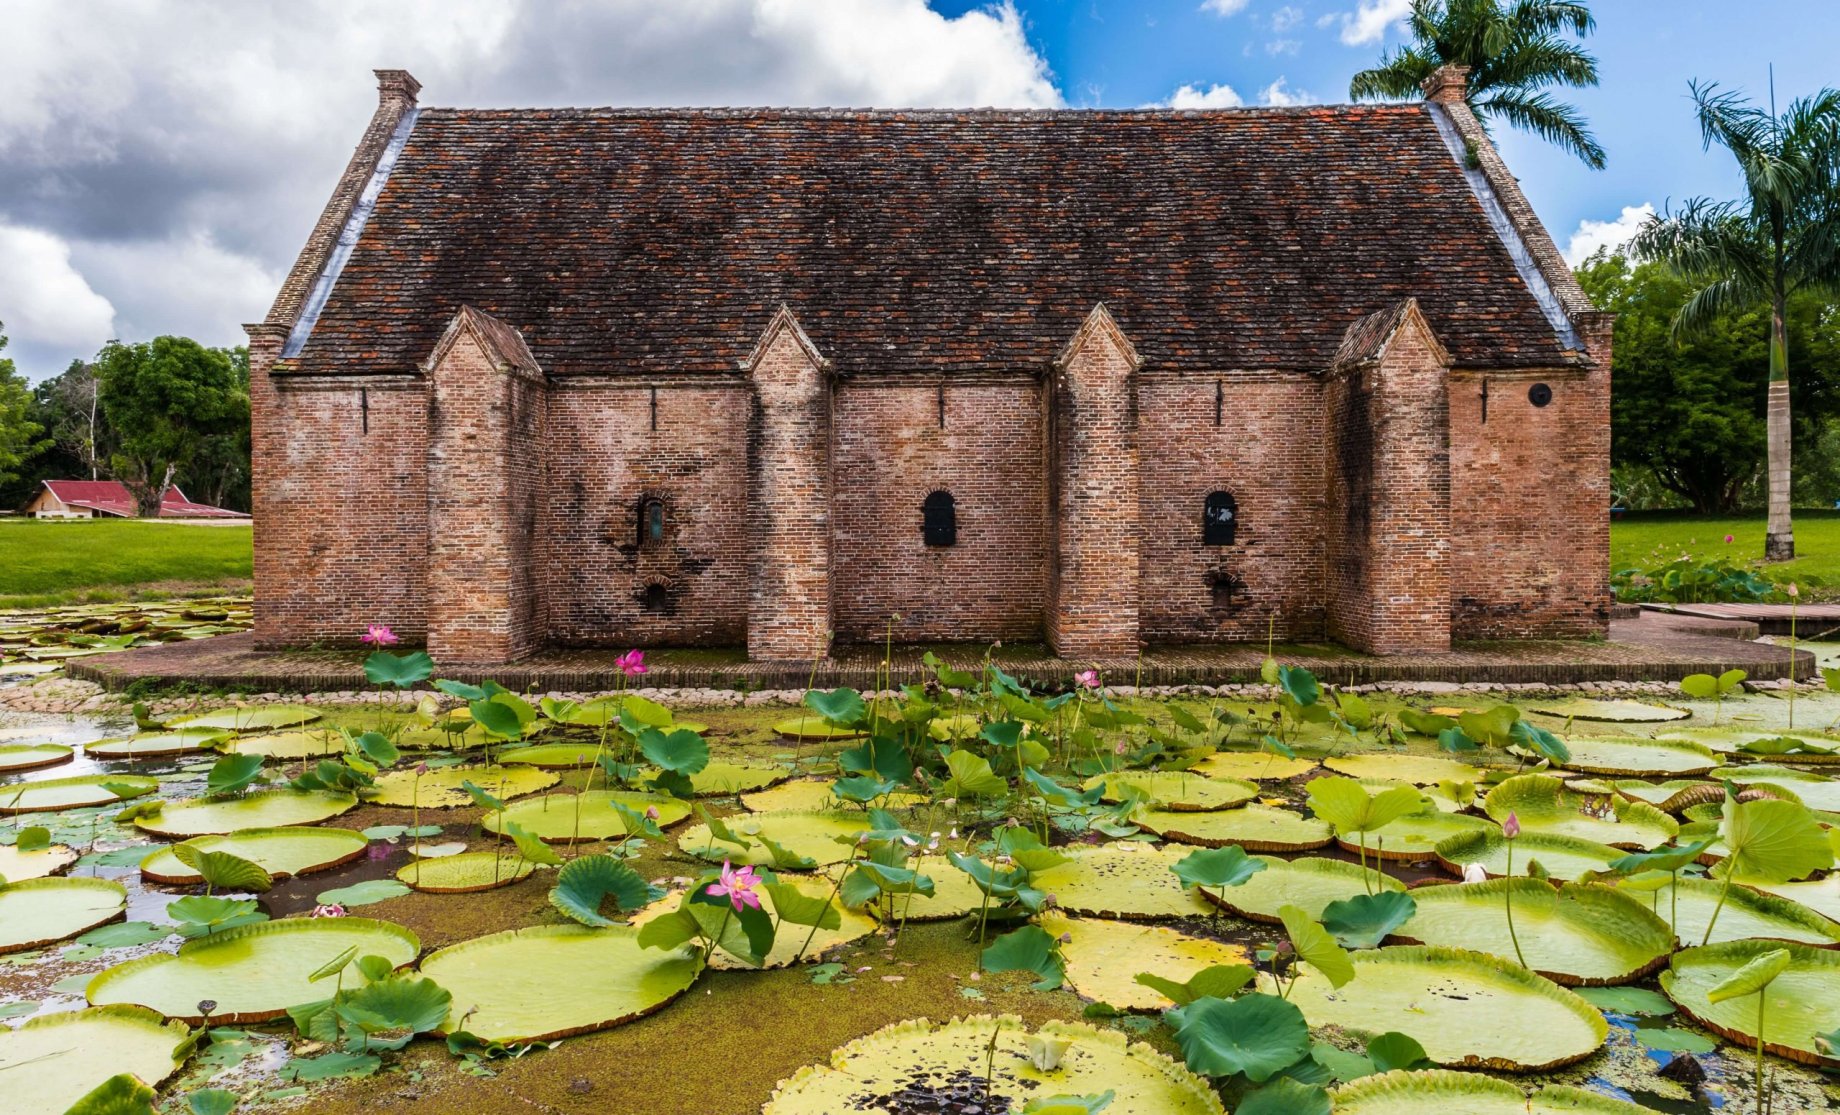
<point>1513,53</point>
<point>1781,238</point>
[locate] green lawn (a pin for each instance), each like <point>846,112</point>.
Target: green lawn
<point>49,563</point>
<point>1647,539</point>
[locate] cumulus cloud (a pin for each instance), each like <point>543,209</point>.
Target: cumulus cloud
<point>1286,18</point>
<point>1368,23</point>
<point>1215,96</point>
<point>46,303</point>
<point>1283,46</point>
<point>181,154</point>
<point>1592,235</point>
<point>1224,7</point>
<point>1279,94</point>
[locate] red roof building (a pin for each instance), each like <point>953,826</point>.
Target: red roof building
<point>89,499</point>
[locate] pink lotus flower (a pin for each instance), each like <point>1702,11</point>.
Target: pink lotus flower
<point>1511,827</point>
<point>379,635</point>
<point>651,812</point>
<point>332,910</point>
<point>1087,678</point>
<point>738,887</point>
<point>632,663</point>
<point>421,769</point>
<point>1728,540</point>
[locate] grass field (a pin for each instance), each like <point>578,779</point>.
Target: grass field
<point>1645,540</point>
<point>46,563</point>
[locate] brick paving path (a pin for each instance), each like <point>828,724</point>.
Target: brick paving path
<point>1810,621</point>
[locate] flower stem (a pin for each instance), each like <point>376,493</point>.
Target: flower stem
<point>835,887</point>
<point>1507,895</point>
<point>1723,891</point>
<point>1760,994</point>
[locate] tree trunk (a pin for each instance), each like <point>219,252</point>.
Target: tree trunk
<point>1779,538</point>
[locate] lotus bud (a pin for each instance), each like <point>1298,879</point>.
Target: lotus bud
<point>1511,827</point>
<point>651,812</point>
<point>1475,873</point>
<point>330,910</point>
<point>1066,938</point>
<point>1050,902</point>
<point>421,769</point>
<point>909,841</point>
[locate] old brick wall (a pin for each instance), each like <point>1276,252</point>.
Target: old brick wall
<point>1348,453</point>
<point>602,588</point>
<point>1266,451</point>
<point>890,451</point>
<point>789,518</point>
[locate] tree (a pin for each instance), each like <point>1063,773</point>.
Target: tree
<point>20,438</point>
<point>1689,411</point>
<point>166,401</point>
<point>1514,49</point>
<point>1781,239</point>
<point>69,407</point>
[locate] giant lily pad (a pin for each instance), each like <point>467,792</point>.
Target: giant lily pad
<point>466,873</point>
<point>551,981</point>
<point>1544,805</point>
<point>1799,1004</point>
<point>954,893</point>
<point>576,754</point>
<point>1102,958</point>
<point>1309,883</point>
<point>720,778</point>
<point>1820,895</point>
<point>806,728</point>
<point>282,852</point>
<point>1415,836</point>
<point>73,793</point>
<point>260,718</point>
<point>1576,935</point>
<point>253,973</point>
<point>37,912</point>
<point>1733,739</point>
<point>1562,857</point>
<point>182,820</point>
<point>1420,770</point>
<point>32,756</point>
<point>1645,758</point>
<point>810,795</point>
<point>17,866</point>
<point>1613,712</point>
<point>51,1062</point>
<point>1816,791</point>
<point>1441,1090</point>
<point>1669,797</point>
<point>1178,791</point>
<point>1124,880</point>
<point>441,789</point>
<point>1259,766</point>
<point>560,818</point>
<point>286,745</point>
<point>1747,913</point>
<point>922,1057</point>
<point>813,835</point>
<point>1256,828</point>
<point>1467,1009</point>
<point>155,745</point>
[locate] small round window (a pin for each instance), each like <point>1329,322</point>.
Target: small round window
<point>1539,394</point>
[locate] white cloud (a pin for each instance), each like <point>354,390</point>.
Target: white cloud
<point>1286,18</point>
<point>44,299</point>
<point>1215,96</point>
<point>1592,235</point>
<point>1283,46</point>
<point>1224,7</point>
<point>1279,95</point>
<point>1369,22</point>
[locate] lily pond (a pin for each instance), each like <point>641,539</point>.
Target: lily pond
<point>952,896</point>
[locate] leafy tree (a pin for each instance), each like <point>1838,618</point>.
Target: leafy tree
<point>1688,411</point>
<point>20,437</point>
<point>167,401</point>
<point>1514,49</point>
<point>1781,239</point>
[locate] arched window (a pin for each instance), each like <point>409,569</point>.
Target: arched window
<point>651,522</point>
<point>939,519</point>
<point>1219,519</point>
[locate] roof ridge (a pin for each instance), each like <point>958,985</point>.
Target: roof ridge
<point>736,112</point>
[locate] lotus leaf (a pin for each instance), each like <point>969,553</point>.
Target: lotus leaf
<point>253,973</point>
<point>1446,797</point>
<point>268,809</point>
<point>802,834</point>
<point>17,866</point>
<point>367,892</point>
<point>466,873</point>
<point>1544,805</point>
<point>1772,841</point>
<point>1177,791</point>
<point>553,981</point>
<point>1801,1000</point>
<point>1419,770</point>
<point>152,745</point>
<point>1747,913</point>
<point>50,1063</point>
<point>1258,1035</point>
<point>73,793</point>
<point>553,817</point>
<point>1314,945</point>
<point>1579,934</point>
<point>37,912</point>
<point>1466,1008</point>
<point>954,893</point>
<point>1614,712</point>
<point>810,795</point>
<point>32,756</point>
<point>1259,766</point>
<point>812,728</point>
<point>722,778</point>
<point>1646,758</point>
<point>1415,836</point>
<point>440,789</point>
<point>1363,921</point>
<point>1257,828</point>
<point>263,718</point>
<point>1414,1093</point>
<point>1628,1000</point>
<point>1562,857</point>
<point>1103,957</point>
<point>282,852</point>
<point>586,883</point>
<point>1310,883</point>
<point>924,1055</point>
<point>1125,880</point>
<point>286,745</point>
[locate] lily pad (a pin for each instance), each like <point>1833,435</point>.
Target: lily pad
<point>1799,1004</point>
<point>1122,880</point>
<point>73,793</point>
<point>1612,712</point>
<point>1562,857</point>
<point>259,718</point>
<point>1309,883</point>
<point>1544,805</point>
<point>553,817</point>
<point>32,756</point>
<point>810,795</point>
<point>154,745</point>
<point>1816,791</point>
<point>441,789</point>
<point>578,754</point>
<point>720,778</point>
<point>365,893</point>
<point>1820,895</point>
<point>1732,739</point>
<point>17,866</point>
<point>253,973</point>
<point>1747,913</point>
<point>1441,1090</point>
<point>1420,770</point>
<point>282,852</point>
<point>1178,791</point>
<point>803,834</point>
<point>286,745</point>
<point>1670,797</point>
<point>806,728</point>
<point>1258,766</point>
<point>924,1057</point>
<point>955,894</point>
<point>1416,836</point>
<point>1467,1009</point>
<point>1256,828</point>
<point>466,873</point>
<point>1643,758</point>
<point>1576,935</point>
<point>552,981</point>
<point>37,912</point>
<point>182,820</point>
<point>1102,958</point>
<point>50,1063</point>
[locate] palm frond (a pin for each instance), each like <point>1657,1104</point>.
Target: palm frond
<point>1534,63</point>
<point>1550,119</point>
<point>1711,302</point>
<point>1396,78</point>
<point>1553,15</point>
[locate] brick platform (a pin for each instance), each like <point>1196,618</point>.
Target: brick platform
<point>1649,648</point>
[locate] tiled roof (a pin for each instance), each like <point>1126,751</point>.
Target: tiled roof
<point>663,240</point>
<point>111,497</point>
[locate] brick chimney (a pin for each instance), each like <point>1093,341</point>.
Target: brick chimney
<point>397,88</point>
<point>1448,85</point>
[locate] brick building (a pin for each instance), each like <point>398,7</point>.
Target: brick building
<point>758,376</point>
